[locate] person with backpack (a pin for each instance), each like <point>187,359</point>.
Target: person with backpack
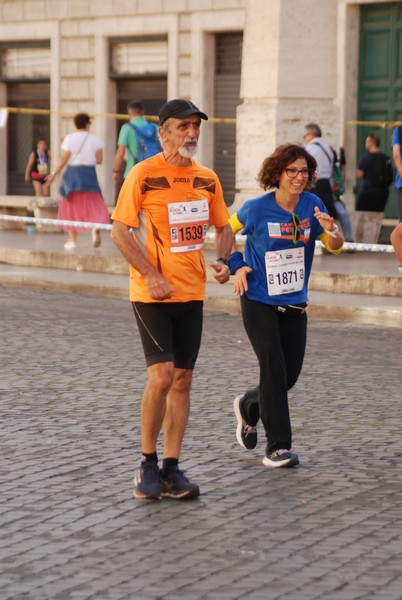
<point>338,189</point>
<point>324,157</point>
<point>329,185</point>
<point>375,171</point>
<point>138,140</point>
<point>397,156</point>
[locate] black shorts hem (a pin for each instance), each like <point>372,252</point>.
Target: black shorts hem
<point>161,357</point>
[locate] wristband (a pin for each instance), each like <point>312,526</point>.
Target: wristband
<point>334,232</point>
<point>222,260</point>
<point>236,262</point>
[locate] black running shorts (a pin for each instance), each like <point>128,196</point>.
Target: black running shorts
<point>170,332</point>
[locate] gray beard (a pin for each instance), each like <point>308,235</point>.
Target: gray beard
<point>187,152</point>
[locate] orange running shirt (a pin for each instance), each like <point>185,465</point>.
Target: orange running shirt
<point>170,209</point>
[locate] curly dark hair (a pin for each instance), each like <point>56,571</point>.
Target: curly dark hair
<point>274,165</point>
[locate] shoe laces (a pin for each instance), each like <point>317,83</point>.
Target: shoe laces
<point>279,452</point>
<point>176,472</point>
<point>248,429</point>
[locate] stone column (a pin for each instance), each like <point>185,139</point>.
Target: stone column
<point>289,77</point>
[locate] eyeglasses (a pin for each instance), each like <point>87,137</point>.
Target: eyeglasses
<point>295,228</point>
<point>292,172</point>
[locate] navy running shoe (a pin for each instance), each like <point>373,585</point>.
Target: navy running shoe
<point>246,434</point>
<point>277,458</point>
<point>174,484</point>
<point>147,483</point>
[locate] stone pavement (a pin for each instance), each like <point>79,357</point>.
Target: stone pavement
<point>72,378</point>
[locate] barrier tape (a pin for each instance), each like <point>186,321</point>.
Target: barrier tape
<point>381,124</point>
<point>123,117</point>
<point>57,222</point>
<point>120,116</point>
<point>358,247</point>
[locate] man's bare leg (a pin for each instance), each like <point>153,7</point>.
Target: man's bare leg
<point>174,483</point>
<point>177,412</point>
<point>153,405</point>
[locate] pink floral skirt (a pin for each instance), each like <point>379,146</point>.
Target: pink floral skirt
<point>87,207</point>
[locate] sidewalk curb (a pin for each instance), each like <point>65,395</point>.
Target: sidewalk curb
<point>326,281</point>
<point>376,316</point>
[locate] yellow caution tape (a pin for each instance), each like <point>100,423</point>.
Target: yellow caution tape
<point>123,117</point>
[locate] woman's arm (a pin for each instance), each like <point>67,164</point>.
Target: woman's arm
<point>28,168</point>
<point>335,238</point>
<point>60,166</point>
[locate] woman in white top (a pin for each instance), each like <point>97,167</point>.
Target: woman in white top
<point>80,194</point>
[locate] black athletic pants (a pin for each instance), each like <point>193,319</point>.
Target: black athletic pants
<point>279,341</point>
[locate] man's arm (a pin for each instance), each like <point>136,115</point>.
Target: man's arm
<point>223,241</point>
<point>396,154</point>
<point>223,245</point>
<point>118,161</point>
<point>158,287</point>
<point>396,241</point>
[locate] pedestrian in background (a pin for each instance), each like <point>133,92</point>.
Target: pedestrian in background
<point>138,139</point>
<point>38,168</point>
<point>80,194</point>
<point>324,158</point>
<point>338,189</point>
<point>397,156</point>
<point>272,281</point>
<point>375,171</point>
<point>164,209</point>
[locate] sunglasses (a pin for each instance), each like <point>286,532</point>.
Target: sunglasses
<point>295,228</point>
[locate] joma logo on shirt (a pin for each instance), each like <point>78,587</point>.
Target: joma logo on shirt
<point>181,180</point>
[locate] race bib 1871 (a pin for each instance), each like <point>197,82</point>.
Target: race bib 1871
<point>285,271</point>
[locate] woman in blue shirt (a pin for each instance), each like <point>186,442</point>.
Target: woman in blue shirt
<point>272,280</point>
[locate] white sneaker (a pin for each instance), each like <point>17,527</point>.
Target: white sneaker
<point>96,238</point>
<point>70,245</point>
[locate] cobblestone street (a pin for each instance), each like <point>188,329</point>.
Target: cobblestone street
<point>72,378</point>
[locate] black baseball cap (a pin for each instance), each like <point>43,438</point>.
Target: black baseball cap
<point>178,109</point>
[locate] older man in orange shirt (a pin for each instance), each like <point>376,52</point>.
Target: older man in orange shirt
<point>163,212</point>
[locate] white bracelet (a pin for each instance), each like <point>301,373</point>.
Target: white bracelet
<point>334,232</point>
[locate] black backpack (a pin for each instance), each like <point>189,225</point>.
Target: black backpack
<point>382,174</point>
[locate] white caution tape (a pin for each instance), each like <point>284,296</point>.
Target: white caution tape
<point>57,222</point>
<point>358,247</point>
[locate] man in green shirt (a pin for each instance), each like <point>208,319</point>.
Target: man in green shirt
<point>128,143</point>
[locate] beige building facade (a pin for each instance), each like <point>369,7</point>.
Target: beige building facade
<point>299,63</point>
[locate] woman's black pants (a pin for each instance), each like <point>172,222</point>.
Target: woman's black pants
<point>279,341</point>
